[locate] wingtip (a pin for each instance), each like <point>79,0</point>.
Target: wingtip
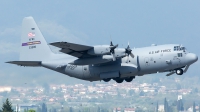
<point>8,62</point>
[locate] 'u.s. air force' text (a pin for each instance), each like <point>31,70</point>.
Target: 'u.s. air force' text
<point>154,52</point>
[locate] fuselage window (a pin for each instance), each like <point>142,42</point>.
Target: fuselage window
<point>180,55</point>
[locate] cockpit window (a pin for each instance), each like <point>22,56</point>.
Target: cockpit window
<point>178,48</point>
<point>183,48</point>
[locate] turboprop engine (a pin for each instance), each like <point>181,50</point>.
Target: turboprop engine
<point>111,50</point>
<point>104,54</point>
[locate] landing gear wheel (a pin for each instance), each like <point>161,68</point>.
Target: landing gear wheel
<point>179,71</point>
<point>119,80</point>
<point>129,79</point>
<point>107,80</point>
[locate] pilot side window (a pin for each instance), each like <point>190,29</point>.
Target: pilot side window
<point>180,55</point>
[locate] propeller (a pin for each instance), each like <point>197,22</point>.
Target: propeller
<point>128,52</point>
<point>112,50</point>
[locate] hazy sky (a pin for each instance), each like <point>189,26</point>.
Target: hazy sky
<point>141,22</point>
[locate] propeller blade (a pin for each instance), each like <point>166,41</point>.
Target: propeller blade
<point>111,44</point>
<point>113,47</point>
<point>112,50</point>
<point>113,55</point>
<point>128,51</point>
<point>132,55</point>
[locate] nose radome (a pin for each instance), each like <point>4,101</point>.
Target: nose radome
<point>191,57</point>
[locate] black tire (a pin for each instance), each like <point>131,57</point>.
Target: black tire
<point>107,80</point>
<point>179,71</point>
<point>119,80</point>
<point>129,79</point>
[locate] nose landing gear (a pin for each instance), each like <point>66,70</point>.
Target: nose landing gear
<point>179,71</point>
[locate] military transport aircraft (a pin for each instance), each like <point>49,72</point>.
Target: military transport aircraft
<point>101,62</point>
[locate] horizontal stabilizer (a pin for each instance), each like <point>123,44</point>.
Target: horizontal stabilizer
<point>26,63</point>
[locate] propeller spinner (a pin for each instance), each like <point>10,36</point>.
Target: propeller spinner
<point>128,52</point>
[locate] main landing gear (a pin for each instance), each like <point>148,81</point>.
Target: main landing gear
<point>129,79</point>
<point>107,80</point>
<point>179,71</point>
<point>120,80</point>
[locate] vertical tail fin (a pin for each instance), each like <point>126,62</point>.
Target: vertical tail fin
<point>33,45</point>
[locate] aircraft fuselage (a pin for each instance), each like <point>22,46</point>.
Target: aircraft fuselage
<point>101,62</point>
<point>147,60</point>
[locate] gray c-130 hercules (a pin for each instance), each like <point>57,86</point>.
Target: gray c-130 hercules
<point>101,62</point>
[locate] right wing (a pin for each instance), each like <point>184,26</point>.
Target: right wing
<point>76,50</point>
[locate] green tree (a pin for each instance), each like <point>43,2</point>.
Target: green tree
<point>31,110</point>
<point>7,106</point>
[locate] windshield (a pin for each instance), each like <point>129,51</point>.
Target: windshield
<point>179,48</point>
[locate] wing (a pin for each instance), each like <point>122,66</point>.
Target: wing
<point>76,50</point>
<point>26,63</point>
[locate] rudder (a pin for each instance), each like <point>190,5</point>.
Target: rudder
<point>33,45</point>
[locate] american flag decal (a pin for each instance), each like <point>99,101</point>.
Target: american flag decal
<point>31,34</point>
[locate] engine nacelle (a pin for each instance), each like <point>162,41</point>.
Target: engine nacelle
<point>105,50</point>
<point>120,53</point>
<point>100,50</point>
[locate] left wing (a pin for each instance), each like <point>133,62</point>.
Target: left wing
<point>76,50</point>
<point>26,63</point>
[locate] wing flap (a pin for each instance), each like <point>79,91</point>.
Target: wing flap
<point>26,63</point>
